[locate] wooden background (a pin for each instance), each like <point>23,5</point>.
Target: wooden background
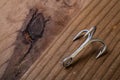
<point>67,18</point>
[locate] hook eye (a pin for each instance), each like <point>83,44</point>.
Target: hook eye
<point>67,61</point>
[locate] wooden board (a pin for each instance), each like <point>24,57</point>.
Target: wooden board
<point>13,20</point>
<point>103,13</point>
<point>66,22</point>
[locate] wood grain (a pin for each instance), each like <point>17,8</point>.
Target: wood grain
<point>106,15</point>
<point>13,19</point>
<point>68,17</point>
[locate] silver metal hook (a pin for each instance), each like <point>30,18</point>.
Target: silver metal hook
<point>89,34</point>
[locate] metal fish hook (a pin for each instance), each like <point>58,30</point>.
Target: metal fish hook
<point>89,34</point>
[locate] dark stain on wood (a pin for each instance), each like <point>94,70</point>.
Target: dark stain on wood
<point>34,28</point>
<point>36,35</point>
<point>31,41</point>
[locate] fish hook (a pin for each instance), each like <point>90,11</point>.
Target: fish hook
<point>89,34</point>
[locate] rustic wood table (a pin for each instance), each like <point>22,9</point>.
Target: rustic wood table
<point>66,19</point>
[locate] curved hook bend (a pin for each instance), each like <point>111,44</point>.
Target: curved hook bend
<point>103,49</point>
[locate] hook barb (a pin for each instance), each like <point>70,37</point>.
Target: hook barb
<point>80,34</point>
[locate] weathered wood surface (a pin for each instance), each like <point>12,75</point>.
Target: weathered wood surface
<point>103,13</point>
<point>13,21</point>
<point>68,18</point>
